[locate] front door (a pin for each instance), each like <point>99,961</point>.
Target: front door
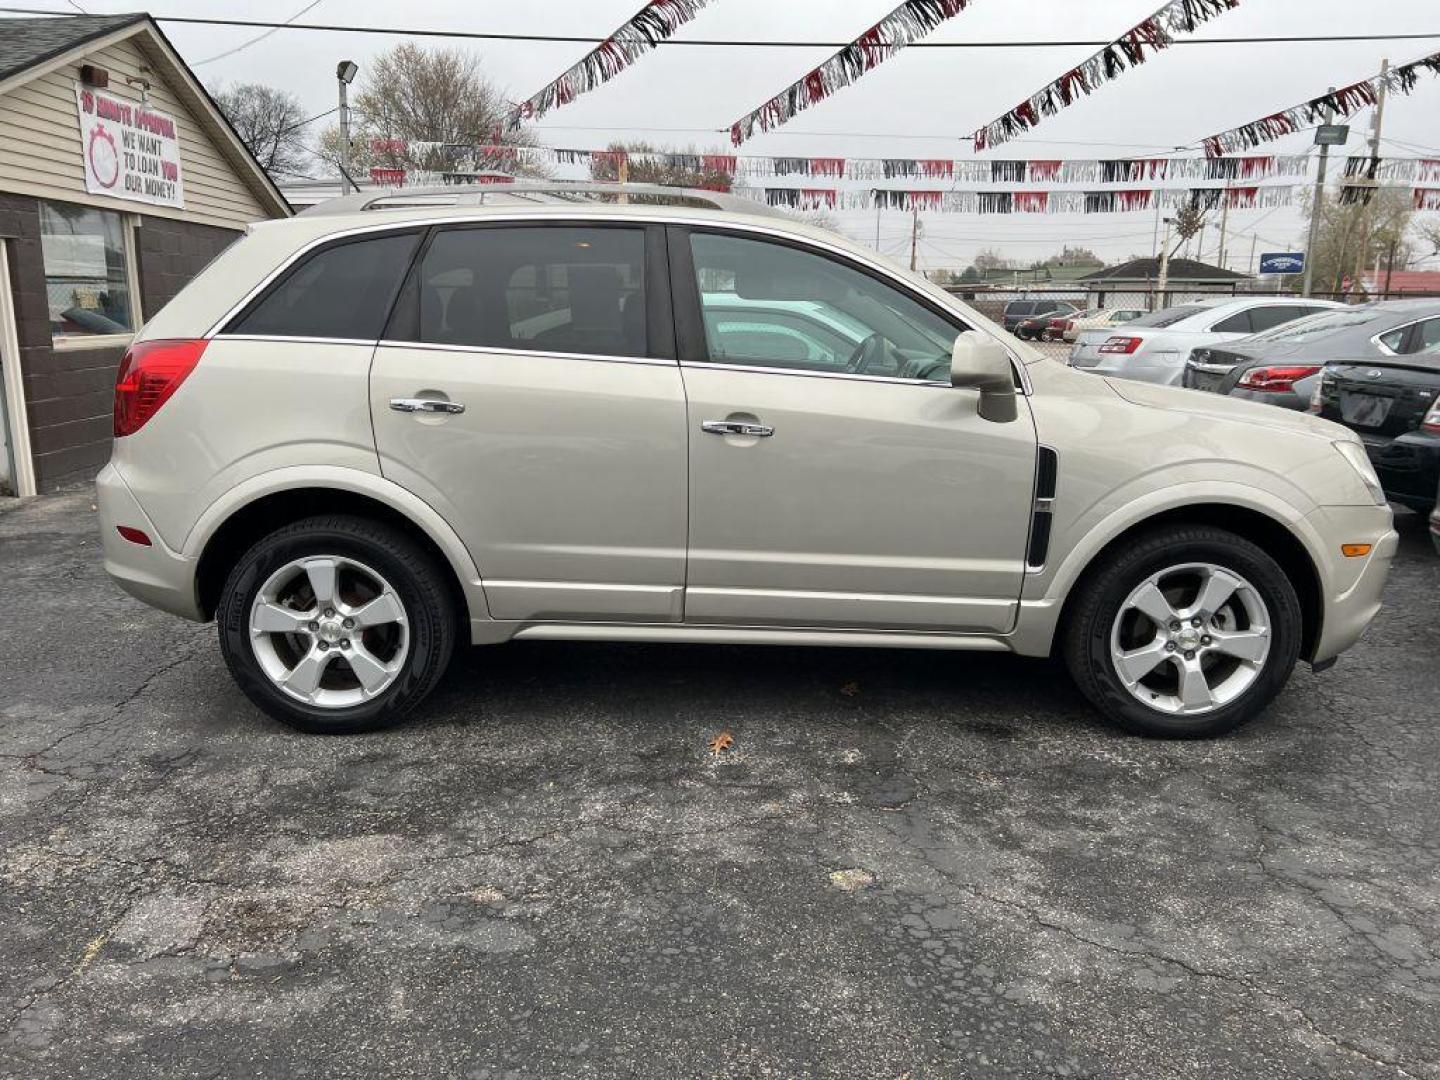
<point>527,389</point>
<point>836,478</point>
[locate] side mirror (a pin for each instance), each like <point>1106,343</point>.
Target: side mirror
<point>981,363</point>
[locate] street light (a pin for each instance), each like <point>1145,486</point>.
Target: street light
<point>344,76</point>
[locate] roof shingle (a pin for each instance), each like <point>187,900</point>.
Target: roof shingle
<point>25,43</point>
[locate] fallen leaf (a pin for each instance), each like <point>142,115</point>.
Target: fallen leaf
<point>850,689</point>
<point>852,879</point>
<point>720,742</point>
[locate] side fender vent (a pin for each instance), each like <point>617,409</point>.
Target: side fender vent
<point>1047,477</point>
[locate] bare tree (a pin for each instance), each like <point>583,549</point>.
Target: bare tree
<point>414,95</point>
<point>991,259</point>
<point>270,123</point>
<point>1377,224</point>
<point>679,168</point>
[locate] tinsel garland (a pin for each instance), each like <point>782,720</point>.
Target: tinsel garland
<point>1318,110</point>
<point>1127,51</point>
<point>909,22</point>
<point>1427,198</point>
<point>1024,202</point>
<point>455,157</point>
<point>652,24</point>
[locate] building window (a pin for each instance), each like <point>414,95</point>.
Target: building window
<point>88,283</point>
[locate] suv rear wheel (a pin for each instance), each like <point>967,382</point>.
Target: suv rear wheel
<point>336,624</point>
<point>1186,633</point>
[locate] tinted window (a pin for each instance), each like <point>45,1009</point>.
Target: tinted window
<point>1169,316</point>
<point>1239,323</point>
<point>564,289</point>
<point>853,322</point>
<point>1273,315</point>
<point>1427,336</point>
<point>1018,308</point>
<point>343,291</point>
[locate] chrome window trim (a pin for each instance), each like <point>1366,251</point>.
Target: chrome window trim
<point>1385,350</point>
<point>762,369</point>
<point>426,346</point>
<point>479,215</point>
<point>295,340</point>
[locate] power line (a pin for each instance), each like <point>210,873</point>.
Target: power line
<point>476,35</point>
<point>258,37</point>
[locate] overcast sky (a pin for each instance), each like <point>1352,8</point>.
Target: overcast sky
<point>920,104</point>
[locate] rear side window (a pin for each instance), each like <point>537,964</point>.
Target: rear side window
<point>1273,315</point>
<point>341,291</point>
<point>566,289</point>
<point>1239,323</point>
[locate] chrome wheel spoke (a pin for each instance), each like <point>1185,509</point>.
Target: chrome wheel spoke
<point>270,618</point>
<point>321,574</point>
<point>1248,645</point>
<point>1195,692</point>
<point>1218,588</point>
<point>385,608</point>
<point>372,673</point>
<point>304,678</point>
<point>1136,664</point>
<point>1151,602</point>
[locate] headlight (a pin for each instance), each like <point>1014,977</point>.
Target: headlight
<point>1359,460</point>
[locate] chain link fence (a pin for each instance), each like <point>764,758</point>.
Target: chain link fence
<point>1050,309</point>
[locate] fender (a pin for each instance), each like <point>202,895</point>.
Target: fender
<point>397,498</point>
<point>1039,615</point>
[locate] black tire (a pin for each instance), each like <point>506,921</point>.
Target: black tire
<point>416,579</point>
<point>1094,608</point>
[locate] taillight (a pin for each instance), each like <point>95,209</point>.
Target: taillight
<point>1277,378</point>
<point>1121,344</point>
<point>1432,418</point>
<point>150,372</point>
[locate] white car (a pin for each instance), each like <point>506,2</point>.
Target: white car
<point>1099,319</point>
<point>383,429</point>
<point>1154,347</point>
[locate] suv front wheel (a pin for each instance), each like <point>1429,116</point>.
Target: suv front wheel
<point>336,624</point>
<point>1186,633</point>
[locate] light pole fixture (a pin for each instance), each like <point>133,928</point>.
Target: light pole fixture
<point>344,76</point>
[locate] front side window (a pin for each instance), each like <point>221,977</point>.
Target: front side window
<point>564,289</point>
<point>87,279</point>
<point>804,311</point>
<point>341,291</point>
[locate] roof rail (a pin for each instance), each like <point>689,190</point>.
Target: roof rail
<point>553,191</point>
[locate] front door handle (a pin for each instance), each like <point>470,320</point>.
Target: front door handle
<point>737,427</point>
<point>425,405</point>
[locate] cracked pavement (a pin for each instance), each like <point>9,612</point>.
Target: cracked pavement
<point>907,865</point>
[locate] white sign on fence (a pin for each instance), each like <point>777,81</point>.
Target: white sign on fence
<point>130,151</point>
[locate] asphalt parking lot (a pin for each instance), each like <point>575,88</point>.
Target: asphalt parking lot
<point>907,864</point>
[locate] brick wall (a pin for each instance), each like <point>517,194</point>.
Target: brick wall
<point>70,392</point>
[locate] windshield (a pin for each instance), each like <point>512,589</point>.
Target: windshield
<point>1169,316</point>
<point>1312,327</point>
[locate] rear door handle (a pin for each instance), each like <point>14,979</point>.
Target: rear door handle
<point>426,405</point>
<point>736,427</point>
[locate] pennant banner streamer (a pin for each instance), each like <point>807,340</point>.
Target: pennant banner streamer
<point>458,157</point>
<point>1024,202</point>
<point>1127,51</point>
<point>1337,105</point>
<point>909,22</point>
<point>655,22</point>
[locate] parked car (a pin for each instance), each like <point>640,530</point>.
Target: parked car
<point>1044,326</point>
<point>1435,523</point>
<point>1099,319</point>
<point>1017,311</point>
<point>1282,366</point>
<point>1154,347</point>
<point>1393,404</point>
<point>382,428</point>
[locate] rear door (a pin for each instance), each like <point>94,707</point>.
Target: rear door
<point>527,389</point>
<point>869,494</point>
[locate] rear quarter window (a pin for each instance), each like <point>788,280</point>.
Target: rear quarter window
<point>343,290</point>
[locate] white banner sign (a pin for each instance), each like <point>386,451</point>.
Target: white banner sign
<point>130,151</point>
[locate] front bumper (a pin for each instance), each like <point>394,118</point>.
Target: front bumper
<point>1352,594</point>
<point>154,574</point>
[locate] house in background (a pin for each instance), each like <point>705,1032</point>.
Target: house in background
<point>119,180</point>
<point>1187,279</point>
<point>1398,284</point>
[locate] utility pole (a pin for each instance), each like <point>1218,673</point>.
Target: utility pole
<point>1224,221</point>
<point>1317,207</point>
<point>1164,265</point>
<point>1253,241</point>
<point>344,76</point>
<point>914,234</point>
<point>1367,209</point>
<point>877,226</point>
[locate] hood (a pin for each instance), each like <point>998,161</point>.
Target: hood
<point>1214,406</point>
